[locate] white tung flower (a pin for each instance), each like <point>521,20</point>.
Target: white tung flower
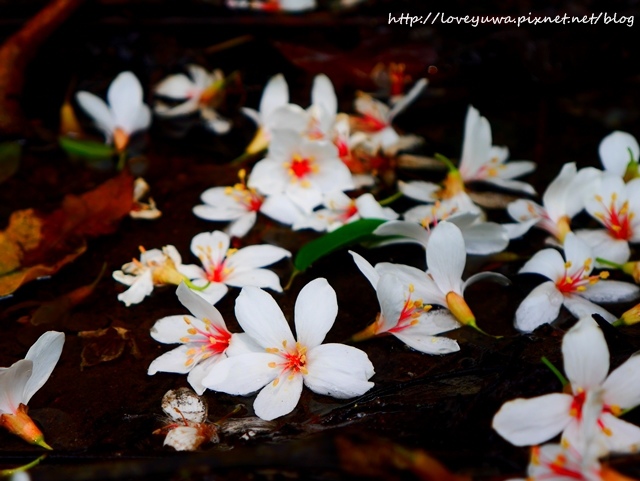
<point>203,336</point>
<point>155,268</point>
<point>222,266</point>
<point>125,114</point>
<point>199,92</point>
<point>300,168</point>
<point>285,364</point>
<point>563,199</point>
<point>22,380</point>
<point>482,161</point>
<point>586,363</point>
<point>616,206</point>
<point>405,313</point>
<point>340,209</point>
<point>570,284</point>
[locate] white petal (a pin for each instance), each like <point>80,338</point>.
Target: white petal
<point>624,438</point>
<point>200,371</point>
<point>141,288</point>
<point>611,291</point>
<point>446,257</point>
<point>339,371</point>
<point>242,343</point>
<point>392,296</point>
<point>476,145</point>
<point>577,253</point>
<point>614,151</point>
<point>171,361</point>
<point>541,306</point>
<point>241,226</point>
<point>252,114</point>
<point>242,375</point>
<point>275,401</point>
<point>605,246</point>
<point>256,256</point>
<point>260,316</point>
<point>487,276</point>
<point>527,422</point>
<point>367,269</point>
<point>185,108</point>
<point>219,213</point>
<point>282,209</point>
<point>554,198</point>
<point>200,308</point>
<point>427,344</point>
<point>263,278</point>
<point>213,244</point>
<point>585,354</point>
<point>213,292</point>
<point>323,94</point>
<point>419,190</point>
<point>547,262</point>
<point>484,238</point>
<point>13,382</point>
<point>621,387</point>
<point>44,354</point>
<point>407,99</point>
<point>177,86</point>
<point>170,329</point>
<point>315,312</point>
<point>410,231</point>
<point>268,177</point>
<point>99,112</point>
<point>514,185</point>
<point>580,307</point>
<point>306,198</point>
<point>275,94</point>
<point>369,208</point>
<point>125,99</point>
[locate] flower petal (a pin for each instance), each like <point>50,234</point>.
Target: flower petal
<point>177,86</point>
<point>446,257</point>
<point>200,371</point>
<point>13,382</point>
<point>611,291</point>
<point>367,269</point>
<point>527,422</point>
<point>484,238</point>
<point>547,262</point>
<point>585,354</point>
<point>242,225</point>
<point>171,361</point>
<point>315,312</point>
<point>339,371</point>
<point>408,98</point>
<point>98,111</point>
<point>278,399</point>
<point>125,99</point>
<point>580,307</point>
<point>614,151</point>
<point>213,292</point>
<point>427,344</point>
<point>260,316</point>
<point>44,354</point>
<point>323,94</point>
<point>282,209</point>
<point>200,308</point>
<point>605,246</point>
<point>141,288</point>
<point>170,329</point>
<point>419,190</point>
<point>621,388</point>
<point>242,375</point>
<point>256,256</point>
<point>263,278</point>
<point>621,436</point>
<point>275,94</point>
<point>541,306</point>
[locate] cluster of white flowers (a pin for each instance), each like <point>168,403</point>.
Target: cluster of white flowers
<point>312,161</point>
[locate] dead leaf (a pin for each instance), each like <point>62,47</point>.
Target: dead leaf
<point>36,244</point>
<point>104,345</point>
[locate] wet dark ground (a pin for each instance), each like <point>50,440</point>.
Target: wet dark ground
<point>550,92</point>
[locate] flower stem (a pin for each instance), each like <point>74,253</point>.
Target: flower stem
<point>24,467</point>
<point>618,323</point>
<point>608,263</point>
<point>555,370</point>
<point>193,287</point>
<point>446,161</point>
<point>294,274</point>
<point>475,326</point>
<point>122,160</point>
<point>390,199</point>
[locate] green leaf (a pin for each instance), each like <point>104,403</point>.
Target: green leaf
<point>9,159</point>
<point>87,149</point>
<point>342,237</point>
